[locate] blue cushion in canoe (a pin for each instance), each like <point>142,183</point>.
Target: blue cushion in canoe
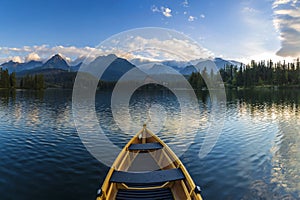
<point>159,176</point>
<point>146,146</point>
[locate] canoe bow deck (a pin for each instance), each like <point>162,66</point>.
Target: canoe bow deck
<point>147,168</point>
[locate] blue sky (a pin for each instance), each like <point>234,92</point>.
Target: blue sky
<point>233,29</point>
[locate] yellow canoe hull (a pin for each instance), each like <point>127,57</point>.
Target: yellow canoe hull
<point>146,157</point>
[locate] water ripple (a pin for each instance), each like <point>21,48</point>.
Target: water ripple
<point>256,157</point>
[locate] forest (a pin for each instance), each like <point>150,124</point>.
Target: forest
<point>35,82</point>
<point>255,74</point>
<point>9,81</point>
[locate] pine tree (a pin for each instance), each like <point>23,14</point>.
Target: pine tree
<point>13,80</point>
<point>239,77</point>
<point>4,77</point>
<point>298,71</point>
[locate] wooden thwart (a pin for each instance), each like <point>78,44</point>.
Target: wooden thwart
<point>151,177</point>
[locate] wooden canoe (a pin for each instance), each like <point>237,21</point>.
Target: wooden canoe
<point>147,168</point>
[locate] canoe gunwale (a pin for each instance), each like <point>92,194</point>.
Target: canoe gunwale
<point>187,184</point>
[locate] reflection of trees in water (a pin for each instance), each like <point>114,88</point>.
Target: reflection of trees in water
<point>284,181</point>
<point>266,96</point>
<point>49,107</point>
<point>30,95</point>
<point>7,95</point>
<point>268,104</point>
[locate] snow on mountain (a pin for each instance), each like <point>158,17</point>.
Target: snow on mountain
<point>141,61</point>
<point>221,63</point>
<point>188,70</point>
<point>207,64</point>
<point>176,64</point>
<point>111,67</point>
<point>118,66</point>
<point>157,68</point>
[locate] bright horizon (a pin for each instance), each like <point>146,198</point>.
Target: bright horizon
<point>233,30</point>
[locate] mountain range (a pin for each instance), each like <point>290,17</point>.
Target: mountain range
<point>116,68</point>
<point>55,62</point>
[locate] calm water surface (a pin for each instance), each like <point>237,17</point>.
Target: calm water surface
<point>256,157</point>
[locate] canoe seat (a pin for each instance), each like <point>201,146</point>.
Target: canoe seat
<point>151,177</point>
<point>146,146</point>
<point>156,194</point>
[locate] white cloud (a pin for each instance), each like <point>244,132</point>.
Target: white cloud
<point>166,49</point>
<point>262,56</point>
<point>185,3</point>
<point>202,16</point>
<point>192,18</point>
<point>248,9</point>
<point>32,56</point>
<point>292,12</point>
<point>174,49</point>
<point>185,12</point>
<point>282,2</point>
<point>17,59</point>
<point>287,23</point>
<point>150,43</point>
<point>155,8</point>
<point>166,12</point>
<point>44,52</point>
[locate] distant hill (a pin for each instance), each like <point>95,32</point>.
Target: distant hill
<point>157,68</point>
<point>221,63</point>
<point>185,67</point>
<point>18,67</point>
<point>115,69</point>
<point>58,72</point>
<point>188,70</point>
<point>119,66</point>
<point>56,62</point>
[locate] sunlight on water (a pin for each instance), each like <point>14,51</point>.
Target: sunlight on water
<point>256,157</point>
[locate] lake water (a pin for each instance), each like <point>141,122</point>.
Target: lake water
<point>257,155</point>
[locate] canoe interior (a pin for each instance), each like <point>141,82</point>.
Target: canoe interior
<point>146,161</point>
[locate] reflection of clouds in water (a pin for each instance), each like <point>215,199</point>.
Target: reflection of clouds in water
<point>285,150</point>
<point>163,114</point>
<point>156,117</point>
<point>260,190</point>
<point>286,159</point>
<point>64,116</point>
<point>17,112</point>
<point>33,117</point>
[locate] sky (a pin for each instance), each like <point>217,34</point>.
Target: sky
<point>232,29</point>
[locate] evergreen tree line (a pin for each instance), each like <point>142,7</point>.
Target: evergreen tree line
<point>196,80</point>
<point>254,74</point>
<point>7,80</point>
<point>262,73</point>
<point>35,82</point>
